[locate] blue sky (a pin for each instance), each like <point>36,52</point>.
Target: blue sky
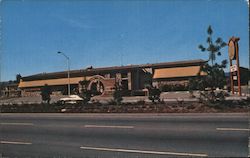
<point>111,33</point>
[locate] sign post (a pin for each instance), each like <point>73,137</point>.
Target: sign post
<point>233,51</point>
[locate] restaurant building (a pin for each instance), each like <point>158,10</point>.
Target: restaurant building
<point>132,78</point>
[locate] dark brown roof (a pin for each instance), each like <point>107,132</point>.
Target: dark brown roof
<point>94,71</point>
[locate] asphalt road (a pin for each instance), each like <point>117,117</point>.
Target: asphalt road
<point>124,135</point>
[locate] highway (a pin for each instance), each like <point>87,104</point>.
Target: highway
<point>124,135</point>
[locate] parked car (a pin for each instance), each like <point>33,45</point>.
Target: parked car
<point>72,99</point>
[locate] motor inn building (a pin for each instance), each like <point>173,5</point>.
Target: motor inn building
<point>132,78</point>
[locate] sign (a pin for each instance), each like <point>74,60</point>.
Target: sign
<point>233,68</point>
<point>231,50</point>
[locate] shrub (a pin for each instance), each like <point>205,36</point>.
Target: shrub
<point>85,93</point>
<point>154,94</point>
<point>118,93</point>
<point>140,102</point>
<point>45,93</point>
<point>173,87</point>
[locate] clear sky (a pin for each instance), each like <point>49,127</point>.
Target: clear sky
<point>113,32</point>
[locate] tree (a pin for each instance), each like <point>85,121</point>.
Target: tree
<point>118,93</point>
<point>213,48</point>
<point>18,78</point>
<point>45,93</point>
<point>85,94</point>
<point>214,74</point>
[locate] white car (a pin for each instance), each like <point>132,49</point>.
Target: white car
<point>72,99</point>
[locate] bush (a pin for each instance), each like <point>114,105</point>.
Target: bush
<point>112,102</point>
<point>154,94</point>
<point>85,93</point>
<point>118,93</point>
<point>173,87</point>
<point>45,93</point>
<point>140,102</point>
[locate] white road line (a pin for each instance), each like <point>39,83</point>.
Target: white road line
<point>17,143</point>
<point>232,129</point>
<point>17,124</point>
<point>104,126</point>
<point>144,151</point>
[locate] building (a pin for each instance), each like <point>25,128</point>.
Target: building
<point>133,78</point>
<point>9,89</point>
<point>244,80</point>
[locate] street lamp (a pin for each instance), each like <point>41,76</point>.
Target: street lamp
<point>68,70</point>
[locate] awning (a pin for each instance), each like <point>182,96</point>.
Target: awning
<point>50,82</point>
<point>176,72</point>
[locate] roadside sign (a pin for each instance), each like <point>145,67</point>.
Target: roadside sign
<point>233,68</point>
<point>232,50</point>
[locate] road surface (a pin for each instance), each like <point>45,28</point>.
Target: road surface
<point>124,135</point>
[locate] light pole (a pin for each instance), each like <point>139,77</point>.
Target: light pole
<point>68,71</point>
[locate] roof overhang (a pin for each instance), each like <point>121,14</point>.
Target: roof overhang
<point>165,73</point>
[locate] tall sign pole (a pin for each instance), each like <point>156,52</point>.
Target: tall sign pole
<point>231,78</point>
<point>233,51</point>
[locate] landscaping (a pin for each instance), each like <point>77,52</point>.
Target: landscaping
<point>138,107</point>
